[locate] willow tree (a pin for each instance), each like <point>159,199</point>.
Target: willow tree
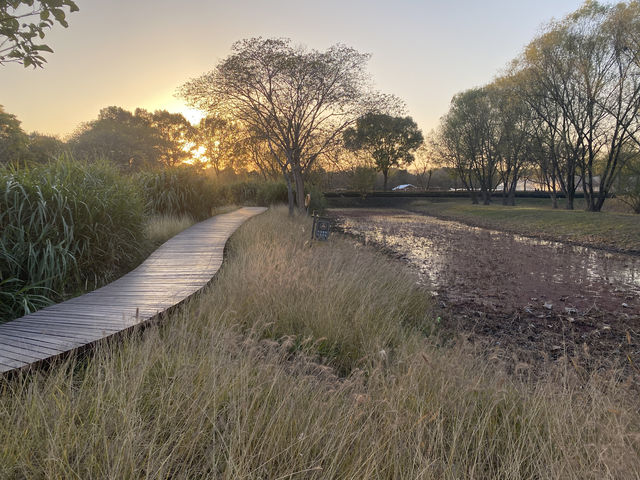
<point>584,82</point>
<point>299,100</point>
<point>469,139</point>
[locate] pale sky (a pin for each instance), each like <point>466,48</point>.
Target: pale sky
<point>135,53</point>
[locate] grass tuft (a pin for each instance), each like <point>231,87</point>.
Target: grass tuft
<point>277,371</point>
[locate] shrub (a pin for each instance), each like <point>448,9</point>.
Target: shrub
<point>257,193</point>
<point>271,193</point>
<point>179,191</point>
<point>64,226</point>
<point>318,201</point>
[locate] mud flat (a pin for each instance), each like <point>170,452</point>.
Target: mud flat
<point>527,300</point>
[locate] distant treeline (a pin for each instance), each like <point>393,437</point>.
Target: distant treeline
<point>143,140</point>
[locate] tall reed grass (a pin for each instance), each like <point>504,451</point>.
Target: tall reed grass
<point>179,191</point>
<point>305,361</point>
<point>69,226</point>
<point>64,226</point>
<point>186,190</point>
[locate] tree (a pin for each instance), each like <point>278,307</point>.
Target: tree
<point>43,148</point>
<point>453,151</point>
<point>23,23</point>
<point>389,140</point>
<point>258,154</point>
<point>13,141</point>
<point>425,163</point>
<point>220,141</point>
<point>177,135</point>
<point>469,141</point>
<point>628,184</point>
<point>299,100</point>
<point>129,141</point>
<point>584,83</point>
<point>513,121</point>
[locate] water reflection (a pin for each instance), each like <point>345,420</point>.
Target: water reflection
<point>501,269</point>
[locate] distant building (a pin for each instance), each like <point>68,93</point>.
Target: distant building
<point>406,187</point>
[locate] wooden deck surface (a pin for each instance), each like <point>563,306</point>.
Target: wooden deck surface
<point>175,271</point>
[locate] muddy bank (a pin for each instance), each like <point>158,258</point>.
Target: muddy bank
<point>528,300</point>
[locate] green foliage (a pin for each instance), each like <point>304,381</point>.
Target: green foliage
<point>44,148</point>
<point>363,178</point>
<point>175,135</point>
<point>182,190</point>
<point>186,190</point>
<point>126,140</point>
<point>318,202</point>
<point>219,139</point>
<point>13,140</point>
<point>389,140</point>
<point>257,193</point>
<point>19,36</point>
<point>63,226</point>
<point>134,141</point>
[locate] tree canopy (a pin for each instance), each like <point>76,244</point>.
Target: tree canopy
<point>299,100</point>
<point>13,141</point>
<point>389,140</point>
<point>23,24</point>
<point>135,140</point>
<point>570,103</point>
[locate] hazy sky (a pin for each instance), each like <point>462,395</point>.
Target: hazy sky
<point>135,53</point>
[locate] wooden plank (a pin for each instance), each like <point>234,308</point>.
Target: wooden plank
<point>54,342</point>
<point>65,334</point>
<point>62,326</point>
<point>176,270</point>
<point>8,341</point>
<point>10,364</point>
<point>19,354</point>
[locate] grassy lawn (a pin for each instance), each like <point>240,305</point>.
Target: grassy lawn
<point>309,361</point>
<point>535,217</point>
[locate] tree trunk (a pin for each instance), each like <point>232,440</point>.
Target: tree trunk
<point>299,181</point>
<point>554,200</point>
<point>474,197</point>
<point>287,178</point>
<point>569,204</point>
<point>385,174</point>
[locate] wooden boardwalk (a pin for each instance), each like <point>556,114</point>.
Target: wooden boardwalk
<point>175,271</point>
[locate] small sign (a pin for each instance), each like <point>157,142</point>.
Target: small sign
<point>321,228</point>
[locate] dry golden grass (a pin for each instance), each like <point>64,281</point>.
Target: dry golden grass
<point>308,362</point>
<point>160,228</point>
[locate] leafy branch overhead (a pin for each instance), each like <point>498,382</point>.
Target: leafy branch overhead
<point>23,24</point>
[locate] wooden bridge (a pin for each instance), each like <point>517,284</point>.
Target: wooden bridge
<point>174,272</point>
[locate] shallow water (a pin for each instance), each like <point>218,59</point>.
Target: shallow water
<point>501,270</point>
<point>531,299</point>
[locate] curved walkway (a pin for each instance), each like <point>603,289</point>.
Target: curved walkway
<point>175,271</point>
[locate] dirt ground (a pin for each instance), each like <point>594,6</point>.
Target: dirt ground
<point>528,301</point>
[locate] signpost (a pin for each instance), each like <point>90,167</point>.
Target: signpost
<point>321,228</point>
